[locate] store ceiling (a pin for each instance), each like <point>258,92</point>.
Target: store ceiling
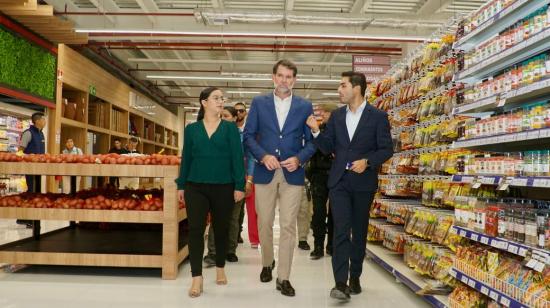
<point>182,46</point>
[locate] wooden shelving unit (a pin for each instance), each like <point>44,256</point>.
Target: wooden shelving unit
<point>164,249</point>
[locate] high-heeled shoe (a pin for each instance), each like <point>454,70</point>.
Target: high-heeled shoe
<point>223,279</point>
<point>195,292</point>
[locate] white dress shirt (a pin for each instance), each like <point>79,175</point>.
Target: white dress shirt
<point>352,119</point>
<point>282,107</point>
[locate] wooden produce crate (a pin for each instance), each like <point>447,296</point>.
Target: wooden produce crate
<point>165,248</point>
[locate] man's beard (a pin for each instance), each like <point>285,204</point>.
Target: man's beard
<point>283,89</point>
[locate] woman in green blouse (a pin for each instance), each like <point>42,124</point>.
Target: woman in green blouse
<point>211,180</point>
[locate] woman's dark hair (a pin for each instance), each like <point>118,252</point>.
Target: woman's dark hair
<point>205,94</point>
<point>231,110</point>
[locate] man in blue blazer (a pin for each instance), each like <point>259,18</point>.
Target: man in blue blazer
<point>277,136</point>
<point>359,136</point>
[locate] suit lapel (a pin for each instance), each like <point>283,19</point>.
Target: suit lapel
<point>342,119</point>
<point>271,106</point>
<point>291,112</point>
<point>362,121</point>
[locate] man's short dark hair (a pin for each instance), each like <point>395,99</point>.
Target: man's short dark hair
<point>240,104</point>
<point>36,116</point>
<point>286,63</point>
<point>134,139</point>
<point>357,79</point>
<point>116,139</point>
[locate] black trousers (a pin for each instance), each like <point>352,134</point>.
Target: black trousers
<point>34,184</point>
<point>350,211</point>
<point>199,200</point>
<point>319,223</point>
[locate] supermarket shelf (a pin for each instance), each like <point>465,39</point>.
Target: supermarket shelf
<point>498,23</point>
<point>522,51</point>
<point>414,177</point>
<point>535,134</point>
<point>515,96</point>
<point>419,151</point>
<point>73,123</point>
<point>394,264</point>
<point>442,89</point>
<point>500,243</point>
<point>82,215</point>
<point>518,181</point>
<point>422,124</point>
<point>98,129</point>
<point>119,134</point>
<point>89,169</point>
<point>496,295</point>
<point>13,130</point>
<point>88,247</point>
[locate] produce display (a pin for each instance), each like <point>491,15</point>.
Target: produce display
<point>95,199</point>
<point>506,274</point>
<point>112,158</point>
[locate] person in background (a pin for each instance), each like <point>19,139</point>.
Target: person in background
<point>70,181</point>
<point>317,172</point>
<point>303,221</point>
<point>211,180</point>
<point>359,136</point>
<point>252,216</point>
<point>277,135</point>
<point>117,149</point>
<point>228,114</point>
<point>131,148</point>
<point>33,142</point>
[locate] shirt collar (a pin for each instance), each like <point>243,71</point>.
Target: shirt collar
<point>282,100</point>
<point>359,109</point>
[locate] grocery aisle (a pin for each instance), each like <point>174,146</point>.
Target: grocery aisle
<point>103,287</point>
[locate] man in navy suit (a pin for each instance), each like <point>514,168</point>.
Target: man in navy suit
<point>277,136</point>
<point>359,136</point>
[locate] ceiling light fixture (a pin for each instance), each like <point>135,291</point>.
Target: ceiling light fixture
<point>243,92</point>
<point>167,77</point>
<point>252,34</point>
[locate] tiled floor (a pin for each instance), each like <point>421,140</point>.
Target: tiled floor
<point>43,286</point>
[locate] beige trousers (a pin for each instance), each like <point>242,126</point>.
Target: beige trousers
<point>304,217</point>
<point>289,197</point>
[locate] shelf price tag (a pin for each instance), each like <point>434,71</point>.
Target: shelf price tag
<point>522,252</point>
<point>519,182</point>
<point>464,279</point>
<point>503,246</point>
<point>462,233</point>
<point>484,290</point>
<point>513,249</point>
<point>472,283</point>
<point>493,295</point>
<point>476,185</point>
<point>452,272</point>
<point>474,237</point>
<point>495,243</point>
<point>505,301</point>
<point>531,263</point>
<point>484,240</point>
<point>539,267</point>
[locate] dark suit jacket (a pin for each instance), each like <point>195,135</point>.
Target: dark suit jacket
<point>372,140</point>
<point>262,136</point>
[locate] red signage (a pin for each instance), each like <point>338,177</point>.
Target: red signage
<point>372,66</point>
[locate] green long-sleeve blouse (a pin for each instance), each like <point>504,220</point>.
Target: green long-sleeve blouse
<point>215,160</point>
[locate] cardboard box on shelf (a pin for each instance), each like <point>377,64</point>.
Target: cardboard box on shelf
<point>70,110</point>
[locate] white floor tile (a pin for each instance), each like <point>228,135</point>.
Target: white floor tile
<point>83,287</point>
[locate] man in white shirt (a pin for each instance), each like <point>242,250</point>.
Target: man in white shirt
<point>71,181</point>
<point>277,136</point>
<point>359,136</point>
